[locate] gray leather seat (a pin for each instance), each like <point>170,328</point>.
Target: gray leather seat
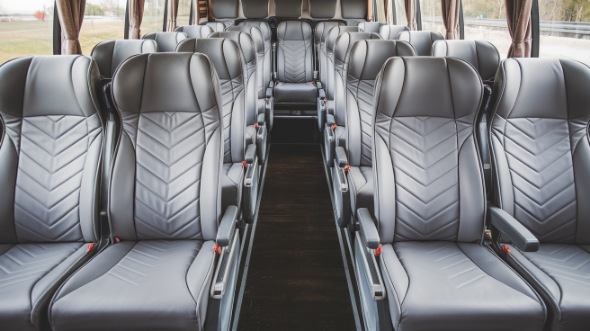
<point>541,159</point>
<point>334,133</point>
<point>320,33</point>
<point>364,65</point>
<point>216,26</point>
<point>430,208</point>
<point>111,53</point>
<point>295,64</point>
<point>164,204</point>
<point>50,151</point>
<point>392,32</point>
<point>195,31</point>
<point>372,27</point>
<point>325,103</point>
<point>256,132</point>
<point>167,41</point>
<point>421,40</point>
<point>484,57</point>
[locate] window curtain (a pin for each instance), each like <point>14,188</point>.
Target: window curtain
<point>173,14</point>
<point>135,17</point>
<point>411,13</point>
<point>518,13</point>
<point>450,17</point>
<point>71,15</point>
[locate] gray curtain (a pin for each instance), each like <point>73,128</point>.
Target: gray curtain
<point>450,11</point>
<point>135,17</point>
<point>71,15</point>
<point>518,14</point>
<point>411,13</point>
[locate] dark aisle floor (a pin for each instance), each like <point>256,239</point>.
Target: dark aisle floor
<point>296,277</point>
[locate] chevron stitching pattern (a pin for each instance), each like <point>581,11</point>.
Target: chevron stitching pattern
<point>295,54</point>
<point>24,264</point>
<point>566,264</point>
<point>170,149</point>
<point>540,161</point>
<point>425,158</point>
<point>50,170</point>
<point>147,260</point>
<point>230,89</point>
<point>363,92</point>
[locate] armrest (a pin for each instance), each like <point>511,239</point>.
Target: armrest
<point>330,120</point>
<point>261,119</point>
<point>250,154</point>
<point>369,233</point>
<point>227,226</point>
<point>520,236</point>
<point>321,93</point>
<point>341,158</point>
<point>319,85</point>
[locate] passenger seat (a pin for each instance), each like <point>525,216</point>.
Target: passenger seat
<point>195,31</point>
<point>50,174</point>
<point>171,240</point>
<point>167,41</point>
<point>111,53</point>
<point>421,40</point>
<point>216,26</point>
<point>371,27</point>
<point>392,32</point>
<point>295,85</point>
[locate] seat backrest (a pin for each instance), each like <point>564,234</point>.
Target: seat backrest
<point>227,61</point>
<point>373,27</point>
<point>481,54</point>
<point>111,53</point>
<point>166,169</point>
<point>333,34</point>
<point>50,149</point>
<point>249,60</point>
<point>364,64</point>
<point>392,32</point>
<point>421,40</point>
<point>322,9</point>
<point>167,41</point>
<point>258,40</point>
<point>427,173</point>
<point>294,52</point>
<point>540,146</point>
<point>342,49</point>
<point>320,34</point>
<point>354,10</point>
<point>255,9</point>
<point>267,36</point>
<point>288,8</point>
<point>216,26</point>
<point>195,31</point>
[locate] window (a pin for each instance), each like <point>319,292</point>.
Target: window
<point>380,11</point>
<point>103,20</point>
<point>431,11</point>
<point>565,29</point>
<point>26,28</point>
<point>153,16</point>
<point>486,20</point>
<point>184,12</point>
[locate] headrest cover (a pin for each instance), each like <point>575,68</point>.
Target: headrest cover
<point>288,8</point>
<point>354,9</point>
<point>322,8</point>
<point>255,8</point>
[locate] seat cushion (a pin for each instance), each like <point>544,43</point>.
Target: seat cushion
<point>562,274</point>
<point>29,274</point>
<point>361,187</point>
<point>231,180</point>
<point>295,93</point>
<point>454,286</point>
<point>146,285</point>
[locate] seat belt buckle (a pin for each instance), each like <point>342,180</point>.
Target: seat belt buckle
<point>90,248</point>
<point>346,168</point>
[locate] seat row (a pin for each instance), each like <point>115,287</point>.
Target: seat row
<point>410,185</point>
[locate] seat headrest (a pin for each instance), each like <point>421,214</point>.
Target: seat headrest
<point>195,31</point>
<point>421,40</point>
<point>255,8</point>
<point>288,8</point>
<point>322,8</point>
<point>160,82</point>
<point>392,32</point>
<point>222,52</point>
<point>345,42</point>
<point>334,33</point>
<point>479,53</point>
<point>49,85</point>
<point>542,88</point>
<point>354,9</point>
<point>426,86</point>
<point>368,56</point>
<point>225,8</point>
<point>370,26</point>
<point>254,32</point>
<point>110,54</point>
<point>244,42</point>
<point>167,41</point>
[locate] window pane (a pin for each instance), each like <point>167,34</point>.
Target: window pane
<point>103,20</point>
<point>400,13</point>
<point>565,29</point>
<point>26,28</point>
<point>153,16</point>
<point>432,16</point>
<point>184,12</point>
<point>486,20</point>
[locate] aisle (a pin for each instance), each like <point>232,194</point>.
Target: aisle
<point>296,277</point>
